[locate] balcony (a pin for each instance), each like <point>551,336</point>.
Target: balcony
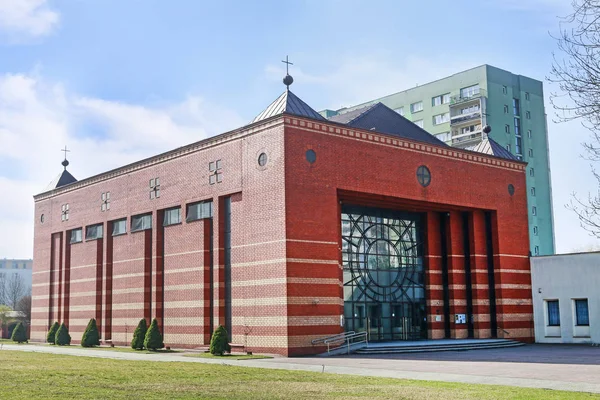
<point>457,99</point>
<point>460,118</point>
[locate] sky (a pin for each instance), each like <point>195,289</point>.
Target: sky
<point>118,80</point>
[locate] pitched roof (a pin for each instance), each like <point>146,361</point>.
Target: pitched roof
<point>64,178</point>
<point>491,147</point>
<point>380,118</point>
<point>288,103</point>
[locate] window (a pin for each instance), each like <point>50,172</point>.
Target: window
<point>154,188</point>
<point>529,134</point>
<point>418,123</point>
<point>441,99</point>
<point>423,176</point>
<point>201,210</point>
<point>518,143</point>
<point>530,152</point>
<point>534,210</point>
<point>141,222</point>
<point>508,147</point>
<point>507,128</point>
<point>105,199</point>
<point>504,90</point>
<point>470,109</point>
<point>533,191</point>
<point>400,110</point>
<point>535,230</point>
<point>416,107</point>
<point>119,227</point>
<point>446,98</point>
<point>516,108</point>
<point>536,250</point>
<point>468,129</point>
<point>216,175</point>
<point>553,312</point>
<point>531,172</point>
<point>76,236</point>
<point>93,232</point>
<point>517,123</point>
<point>469,91</point>
<point>262,159</point>
<point>64,212</point>
<point>527,115</point>
<point>444,136</point>
<point>526,95</point>
<point>441,118</point>
<point>505,109</point>
<point>172,216</point>
<point>582,316</point>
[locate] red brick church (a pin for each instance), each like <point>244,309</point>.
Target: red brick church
<point>288,229</point>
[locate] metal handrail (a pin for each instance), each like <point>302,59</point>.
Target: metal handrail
<point>347,337</point>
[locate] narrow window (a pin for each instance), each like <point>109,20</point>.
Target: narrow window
<point>530,152</point>
<point>531,172</point>
<point>534,210</point>
<point>141,222</point>
<point>119,227</point>
<point>172,216</point>
<point>508,147</point>
<point>504,90</point>
<point>527,115</point>
<point>416,107</point>
<point>581,312</point>
<point>400,110</point>
<point>533,191</point>
<point>419,123</point>
<point>76,236</point>
<point>529,133</point>
<point>535,230</point>
<point>553,312</point>
<point>505,109</point>
<point>446,98</point>
<point>93,232</point>
<point>526,95</point>
<point>507,128</point>
<point>200,210</point>
<point>536,250</point>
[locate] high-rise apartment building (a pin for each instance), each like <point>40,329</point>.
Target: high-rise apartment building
<point>456,109</point>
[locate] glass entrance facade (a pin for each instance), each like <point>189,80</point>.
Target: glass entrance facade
<point>384,286</point>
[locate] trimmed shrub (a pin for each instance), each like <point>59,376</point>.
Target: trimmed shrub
<point>219,343</point>
<point>62,336</point>
<point>51,336</point>
<point>91,336</point>
<point>137,343</point>
<point>153,339</point>
<point>19,334</point>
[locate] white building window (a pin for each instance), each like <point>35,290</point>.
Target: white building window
<point>172,216</point>
<point>469,91</point>
<point>119,227</point>
<point>141,222</point>
<point>444,136</point>
<point>441,118</point>
<point>418,123</point>
<point>76,236</point>
<point>400,110</point>
<point>416,107</point>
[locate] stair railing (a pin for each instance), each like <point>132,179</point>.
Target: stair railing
<point>343,339</point>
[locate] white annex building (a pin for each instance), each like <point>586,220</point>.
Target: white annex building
<point>566,298</point>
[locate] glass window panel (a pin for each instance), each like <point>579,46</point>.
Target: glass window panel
<point>94,232</point>
<point>553,313</point>
<point>581,312</point>
<point>76,235</point>
<point>172,216</point>
<point>141,222</point>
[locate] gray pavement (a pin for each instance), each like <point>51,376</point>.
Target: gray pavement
<point>558,367</point>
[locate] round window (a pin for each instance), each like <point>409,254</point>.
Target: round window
<point>423,176</point>
<point>262,159</point>
<point>42,218</point>
<point>511,189</point>
<point>311,156</point>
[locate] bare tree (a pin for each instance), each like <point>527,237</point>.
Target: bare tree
<point>576,70</point>
<point>24,306</point>
<point>3,299</point>
<point>15,289</point>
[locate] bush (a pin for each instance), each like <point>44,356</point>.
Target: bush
<point>19,334</point>
<point>62,336</point>
<point>219,343</point>
<point>137,343</point>
<point>153,339</point>
<point>51,337</point>
<point>91,336</point>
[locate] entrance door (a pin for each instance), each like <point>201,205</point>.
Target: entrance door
<point>374,322</point>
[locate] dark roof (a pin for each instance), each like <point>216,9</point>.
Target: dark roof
<point>64,178</point>
<point>380,118</point>
<point>288,103</point>
<point>491,147</point>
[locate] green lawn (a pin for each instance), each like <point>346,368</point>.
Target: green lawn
<point>38,376</point>
<point>228,356</point>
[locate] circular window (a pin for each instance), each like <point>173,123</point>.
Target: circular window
<point>262,159</point>
<point>511,189</point>
<point>423,176</point>
<point>42,218</point>
<point>311,156</point>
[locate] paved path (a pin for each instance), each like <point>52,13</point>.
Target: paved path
<point>577,367</point>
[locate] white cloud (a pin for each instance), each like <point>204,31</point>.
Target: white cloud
<point>22,19</point>
<point>37,118</point>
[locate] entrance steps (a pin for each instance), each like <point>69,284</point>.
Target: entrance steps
<point>424,346</point>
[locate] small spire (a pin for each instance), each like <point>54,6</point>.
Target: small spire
<point>288,80</point>
<point>65,162</point>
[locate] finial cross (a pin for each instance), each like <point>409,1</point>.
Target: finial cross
<point>66,151</point>
<point>287,64</point>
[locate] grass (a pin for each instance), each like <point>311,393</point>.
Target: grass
<point>130,350</point>
<point>229,356</point>
<point>48,376</point>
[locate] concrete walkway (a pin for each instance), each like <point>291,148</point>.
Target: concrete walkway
<point>491,367</point>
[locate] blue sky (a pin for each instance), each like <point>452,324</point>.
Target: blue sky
<point>137,77</point>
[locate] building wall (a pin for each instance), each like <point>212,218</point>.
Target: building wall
<point>565,278</point>
<point>491,81</point>
<point>368,169</point>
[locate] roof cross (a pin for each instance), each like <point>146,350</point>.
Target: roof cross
<point>288,80</point>
<point>65,163</point>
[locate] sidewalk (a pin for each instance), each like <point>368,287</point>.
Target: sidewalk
<point>570,377</point>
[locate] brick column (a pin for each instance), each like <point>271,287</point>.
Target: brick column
<point>433,277</point>
<point>456,274</point>
<point>479,275</point>
<point>208,278</point>
<point>108,283</point>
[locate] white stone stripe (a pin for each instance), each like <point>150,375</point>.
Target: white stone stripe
<point>255,263</point>
<point>181,270</point>
<point>312,261</point>
<point>128,260</point>
<point>311,241</point>
<point>198,304</point>
<point>184,253</point>
<point>511,255</point>
<point>90,307</point>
